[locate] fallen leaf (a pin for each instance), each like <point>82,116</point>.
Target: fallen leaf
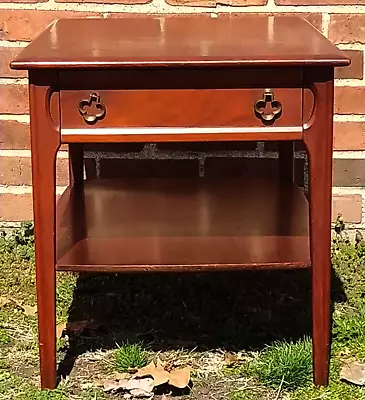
<point>180,378</point>
<point>169,365</point>
<point>147,370</point>
<point>230,358</point>
<point>145,384</point>
<point>158,373</point>
<point>140,393</point>
<point>4,301</point>
<point>29,310</point>
<point>353,372</point>
<point>110,385</point>
<point>59,330</point>
<point>122,375</point>
<point>7,300</point>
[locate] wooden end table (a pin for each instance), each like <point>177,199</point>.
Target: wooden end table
<point>177,79</point>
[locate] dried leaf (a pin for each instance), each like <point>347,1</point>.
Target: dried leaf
<point>59,330</point>
<point>4,301</point>
<point>145,384</point>
<point>110,385</point>
<point>29,310</point>
<point>230,358</point>
<point>180,378</point>
<point>353,372</point>
<point>147,370</point>
<point>158,373</point>
<point>7,300</point>
<point>122,375</point>
<point>140,393</point>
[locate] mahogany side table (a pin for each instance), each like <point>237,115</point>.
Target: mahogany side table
<point>176,79</point>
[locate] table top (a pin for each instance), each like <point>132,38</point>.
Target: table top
<point>180,40</point>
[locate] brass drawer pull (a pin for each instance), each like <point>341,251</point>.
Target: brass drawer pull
<point>86,106</point>
<point>268,109</point>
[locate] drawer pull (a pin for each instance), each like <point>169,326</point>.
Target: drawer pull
<point>268,109</point>
<point>86,107</point>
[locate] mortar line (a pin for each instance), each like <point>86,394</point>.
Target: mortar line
<point>166,8</point>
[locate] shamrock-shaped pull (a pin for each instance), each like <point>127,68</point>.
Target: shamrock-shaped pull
<point>268,109</point>
<point>92,109</point>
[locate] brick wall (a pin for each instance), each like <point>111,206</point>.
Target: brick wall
<point>343,21</point>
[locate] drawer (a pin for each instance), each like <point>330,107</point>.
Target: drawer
<point>200,108</point>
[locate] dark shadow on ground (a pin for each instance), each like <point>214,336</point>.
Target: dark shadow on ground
<point>234,311</point>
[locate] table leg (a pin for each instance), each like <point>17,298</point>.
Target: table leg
<point>318,139</point>
<point>45,141</point>
<point>76,163</point>
<point>286,161</point>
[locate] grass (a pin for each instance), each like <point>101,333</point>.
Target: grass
<point>12,386</point>
<point>130,356</point>
<point>284,364</point>
<point>262,318</point>
<point>4,337</point>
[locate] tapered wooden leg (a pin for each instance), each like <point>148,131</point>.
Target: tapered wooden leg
<point>286,161</point>
<point>76,163</point>
<point>318,139</point>
<point>45,141</point>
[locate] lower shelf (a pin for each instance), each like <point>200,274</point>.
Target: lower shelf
<point>182,225</point>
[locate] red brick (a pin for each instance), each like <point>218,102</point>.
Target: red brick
<point>349,172</point>
<point>350,206</point>
<point>347,28</point>
<point>24,1</point>
<point>62,172</point>
<point>7,54</point>
<point>214,3</point>
<point>316,2</point>
<point>356,69</point>
<point>105,1</point>
<point>349,100</point>
<point>14,135</point>
<point>314,19</point>
<point>26,24</point>
<point>14,99</point>
<point>15,207</point>
<point>349,136</point>
<point>17,171</point>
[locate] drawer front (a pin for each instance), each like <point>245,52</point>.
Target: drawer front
<point>200,108</point>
